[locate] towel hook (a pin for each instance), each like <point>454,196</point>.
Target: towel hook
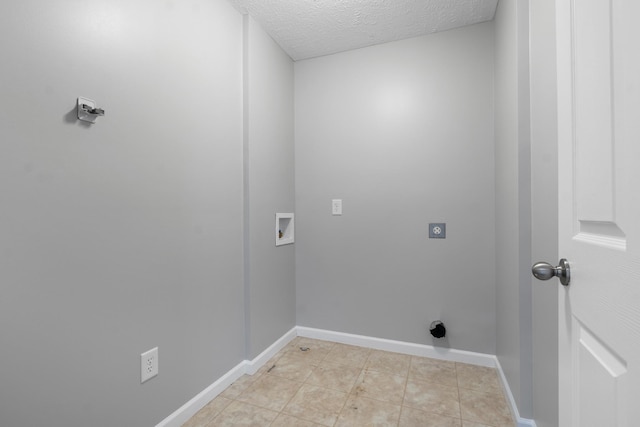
<point>87,110</point>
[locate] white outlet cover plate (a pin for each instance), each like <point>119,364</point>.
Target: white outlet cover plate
<point>148,365</point>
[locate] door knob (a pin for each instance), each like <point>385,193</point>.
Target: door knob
<point>545,271</point>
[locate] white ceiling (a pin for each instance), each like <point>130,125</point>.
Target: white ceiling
<point>310,28</point>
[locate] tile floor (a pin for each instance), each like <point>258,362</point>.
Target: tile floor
<point>312,383</point>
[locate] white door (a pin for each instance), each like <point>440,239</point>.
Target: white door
<point>599,156</point>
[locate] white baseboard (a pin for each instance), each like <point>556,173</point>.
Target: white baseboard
<point>412,349</point>
<point>180,416</point>
<point>189,409</point>
<point>521,422</point>
<point>262,358</point>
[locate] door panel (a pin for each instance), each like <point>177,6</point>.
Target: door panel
<point>600,381</point>
<point>591,40</point>
<point>599,211</point>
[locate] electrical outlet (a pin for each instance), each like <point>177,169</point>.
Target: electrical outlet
<point>437,230</point>
<point>148,365</point>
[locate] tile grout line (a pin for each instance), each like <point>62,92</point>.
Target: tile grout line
<point>285,405</point>
<point>459,394</point>
<point>348,393</point>
<point>353,386</point>
<point>404,391</point>
<point>297,391</point>
<point>346,400</point>
<point>302,384</point>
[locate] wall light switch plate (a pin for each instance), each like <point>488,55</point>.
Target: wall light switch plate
<point>336,207</point>
<point>437,230</point>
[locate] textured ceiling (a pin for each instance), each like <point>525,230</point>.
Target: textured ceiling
<point>310,28</point>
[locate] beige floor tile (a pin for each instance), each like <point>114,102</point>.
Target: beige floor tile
<point>285,420</point>
<point>208,413</point>
<point>292,367</point>
<point>411,417</point>
<point>473,424</point>
<point>242,414</point>
<point>312,343</point>
<point>307,357</point>
<point>270,392</point>
<point>433,370</point>
<point>391,363</point>
<point>239,386</point>
<point>432,397</point>
<point>316,404</point>
<point>331,384</point>
<point>360,411</point>
<point>310,349</point>
<point>344,354</point>
<point>264,368</point>
<point>479,378</point>
<point>336,377</point>
<point>486,408</point>
<point>380,386</point>
<point>293,343</point>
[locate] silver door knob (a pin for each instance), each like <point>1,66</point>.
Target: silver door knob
<point>545,271</point>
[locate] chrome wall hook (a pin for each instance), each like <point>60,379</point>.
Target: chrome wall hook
<point>87,110</point>
<point>96,111</point>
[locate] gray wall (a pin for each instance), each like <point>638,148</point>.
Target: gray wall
<point>544,197</point>
<point>513,200</point>
<point>269,175</point>
<point>403,133</point>
<point>128,234</point>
